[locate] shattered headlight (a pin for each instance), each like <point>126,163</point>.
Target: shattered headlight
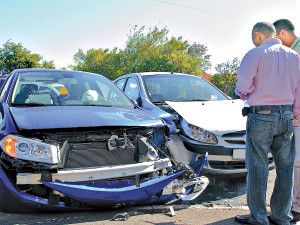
<point>28,149</point>
<point>198,133</point>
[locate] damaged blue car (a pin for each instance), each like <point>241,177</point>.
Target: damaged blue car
<point>73,141</point>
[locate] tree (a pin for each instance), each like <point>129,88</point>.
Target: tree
<point>48,64</point>
<point>226,77</point>
<point>15,56</point>
<point>144,52</point>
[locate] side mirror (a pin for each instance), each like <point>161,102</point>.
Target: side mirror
<point>134,102</point>
<point>1,111</point>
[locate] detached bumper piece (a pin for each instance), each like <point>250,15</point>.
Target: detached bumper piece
<point>95,194</point>
<point>110,197</point>
<point>15,201</point>
<point>186,191</point>
<point>108,194</point>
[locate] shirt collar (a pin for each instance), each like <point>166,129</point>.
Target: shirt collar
<point>271,41</point>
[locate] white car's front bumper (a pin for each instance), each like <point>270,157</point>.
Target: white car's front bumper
<point>223,159</point>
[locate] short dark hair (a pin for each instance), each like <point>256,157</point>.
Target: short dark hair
<point>284,24</point>
<point>264,28</point>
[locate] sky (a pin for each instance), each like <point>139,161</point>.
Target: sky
<point>56,29</point>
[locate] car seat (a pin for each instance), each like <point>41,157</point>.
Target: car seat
<point>173,92</point>
<point>76,91</point>
<point>41,99</point>
<point>90,97</point>
<point>26,90</point>
<point>156,97</point>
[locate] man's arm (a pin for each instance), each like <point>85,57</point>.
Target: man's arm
<point>297,99</point>
<point>246,74</point>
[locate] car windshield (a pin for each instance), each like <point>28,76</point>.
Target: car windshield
<point>66,88</point>
<point>161,88</point>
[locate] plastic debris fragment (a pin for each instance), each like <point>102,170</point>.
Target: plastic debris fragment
<point>172,211</point>
<point>121,217</point>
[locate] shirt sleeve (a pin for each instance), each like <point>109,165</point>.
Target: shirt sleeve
<point>246,73</point>
<point>297,97</point>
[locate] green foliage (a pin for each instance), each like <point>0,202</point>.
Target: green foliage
<point>226,77</point>
<point>145,52</point>
<point>48,64</point>
<point>15,56</point>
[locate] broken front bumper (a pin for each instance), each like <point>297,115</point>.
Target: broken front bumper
<point>81,185</point>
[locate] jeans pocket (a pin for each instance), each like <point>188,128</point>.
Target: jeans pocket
<point>290,130</point>
<point>261,131</point>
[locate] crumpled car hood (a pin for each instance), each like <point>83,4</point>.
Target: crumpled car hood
<point>215,116</point>
<point>81,116</point>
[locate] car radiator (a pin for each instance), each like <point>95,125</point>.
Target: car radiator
<point>96,154</point>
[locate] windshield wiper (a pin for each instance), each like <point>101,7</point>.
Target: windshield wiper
<point>97,105</point>
<point>158,102</point>
<point>170,100</point>
<point>185,100</point>
<point>33,104</point>
<point>195,100</point>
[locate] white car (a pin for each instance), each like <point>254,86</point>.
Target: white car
<point>201,118</point>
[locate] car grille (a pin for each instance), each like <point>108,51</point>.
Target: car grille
<point>238,137</point>
<point>231,164</point>
<point>227,165</point>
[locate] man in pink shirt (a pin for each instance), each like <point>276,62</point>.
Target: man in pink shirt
<point>269,79</point>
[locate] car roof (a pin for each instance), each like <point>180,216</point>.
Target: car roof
<point>3,77</point>
<point>37,70</point>
<point>49,70</point>
<point>163,73</point>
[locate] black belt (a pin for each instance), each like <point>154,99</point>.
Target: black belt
<point>260,108</point>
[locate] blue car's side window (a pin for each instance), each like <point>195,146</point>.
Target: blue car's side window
<point>132,89</point>
<point>121,83</point>
<point>4,88</point>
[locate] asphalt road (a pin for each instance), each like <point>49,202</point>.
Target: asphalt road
<point>217,205</point>
<point>136,216</point>
<point>231,192</point>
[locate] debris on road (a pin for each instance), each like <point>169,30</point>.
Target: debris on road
<point>172,211</point>
<point>121,217</point>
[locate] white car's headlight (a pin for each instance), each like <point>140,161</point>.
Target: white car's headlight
<point>28,149</point>
<point>198,133</point>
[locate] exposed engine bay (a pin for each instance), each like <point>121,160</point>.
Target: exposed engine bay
<point>91,158</point>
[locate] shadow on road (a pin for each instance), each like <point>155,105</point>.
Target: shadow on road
<point>223,222</point>
<point>227,192</point>
<point>57,218</point>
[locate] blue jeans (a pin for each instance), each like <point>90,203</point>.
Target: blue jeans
<point>270,132</point>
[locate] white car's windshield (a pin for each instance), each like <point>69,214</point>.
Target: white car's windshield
<point>39,88</point>
<point>161,88</point>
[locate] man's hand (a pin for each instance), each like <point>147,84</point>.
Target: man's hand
<point>296,121</point>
